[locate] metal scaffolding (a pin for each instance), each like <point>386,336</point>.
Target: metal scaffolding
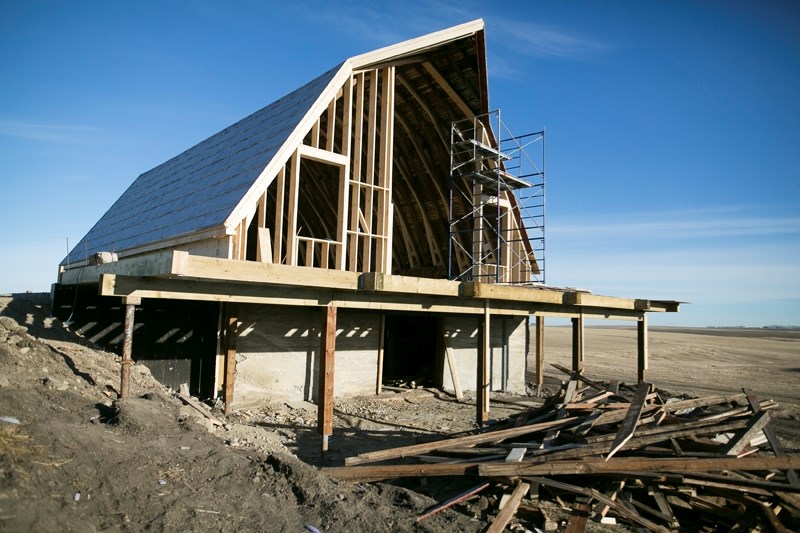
<point>497,203</point>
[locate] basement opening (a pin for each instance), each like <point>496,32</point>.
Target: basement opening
<point>410,345</point>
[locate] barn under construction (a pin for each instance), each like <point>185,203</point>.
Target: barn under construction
<point>377,223</point>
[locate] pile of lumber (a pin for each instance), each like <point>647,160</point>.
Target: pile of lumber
<point>617,454</point>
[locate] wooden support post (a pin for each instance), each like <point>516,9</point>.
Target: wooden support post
<point>381,334</point>
<point>231,332</point>
<point>539,353</point>
<point>641,337</point>
<point>127,348</point>
<point>327,349</point>
<point>577,344</point>
<point>482,386</point>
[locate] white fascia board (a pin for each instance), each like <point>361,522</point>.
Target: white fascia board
<point>248,202</point>
<point>417,44</point>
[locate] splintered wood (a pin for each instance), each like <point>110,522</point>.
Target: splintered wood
<point>617,454</point>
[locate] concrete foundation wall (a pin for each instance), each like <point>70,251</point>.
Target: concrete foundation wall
<point>462,336</point>
<point>278,348</point>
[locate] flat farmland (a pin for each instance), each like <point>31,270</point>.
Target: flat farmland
<point>694,361</point>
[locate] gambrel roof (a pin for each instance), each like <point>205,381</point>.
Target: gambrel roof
<point>210,188</point>
<point>198,189</point>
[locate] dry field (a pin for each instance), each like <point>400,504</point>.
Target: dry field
<point>698,361</point>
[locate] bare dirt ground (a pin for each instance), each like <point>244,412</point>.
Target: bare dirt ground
<point>80,460</point>
<point>701,361</point>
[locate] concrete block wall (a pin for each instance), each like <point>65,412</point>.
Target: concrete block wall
<point>461,334</point>
<point>278,348</point>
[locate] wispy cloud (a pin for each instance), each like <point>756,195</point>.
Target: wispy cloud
<point>680,224</point>
<point>545,40</point>
<point>54,133</point>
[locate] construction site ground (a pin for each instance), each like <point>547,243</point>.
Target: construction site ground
<point>74,458</point>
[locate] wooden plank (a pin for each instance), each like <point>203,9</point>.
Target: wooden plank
<point>516,293</point>
<point>742,439</point>
<point>272,294</point>
<point>578,517</point>
<point>264,248</point>
<point>292,214</point>
<point>369,174</point>
<point>379,472</point>
<point>396,51</point>
<point>212,268</point>
<point>280,209</point>
<point>327,351</point>
<point>381,335</point>
<point>577,344</point>
<point>631,420</point>
<point>355,171</point>
<point>500,522</point>
<point>483,372</point>
<point>330,131</point>
<point>539,370</point>
<point>772,438</point>
<point>456,442</point>
<point>231,333</point>
<point>642,349</point>
<point>376,281</point>
<point>197,406</point>
<point>153,264</point>
<point>323,156</point>
<point>586,299</point>
<point>620,509</point>
<point>383,249</point>
<point>451,363</point>
<point>594,384</point>
<point>635,464</point>
<point>453,501</point>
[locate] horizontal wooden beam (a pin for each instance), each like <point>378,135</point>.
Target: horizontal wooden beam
<point>640,464</point>
<point>555,468</point>
<point>157,264</point>
<point>227,280</point>
<point>376,281</point>
<point>266,293</point>
<point>323,156</point>
<point>514,293</point>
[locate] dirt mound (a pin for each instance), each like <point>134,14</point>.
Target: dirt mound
<point>73,458</point>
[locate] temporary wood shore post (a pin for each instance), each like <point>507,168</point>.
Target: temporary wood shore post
<point>577,344</point>
<point>127,346</point>
<point>482,386</point>
<point>381,334</point>
<point>641,337</point>
<point>231,332</point>
<point>327,350</point>
<point>539,353</point>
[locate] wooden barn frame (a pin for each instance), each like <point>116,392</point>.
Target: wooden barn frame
<point>334,198</point>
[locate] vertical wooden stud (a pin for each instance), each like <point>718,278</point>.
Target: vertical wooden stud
<point>280,208</point>
<point>291,230</point>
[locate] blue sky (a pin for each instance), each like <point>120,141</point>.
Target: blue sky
<point>673,128</point>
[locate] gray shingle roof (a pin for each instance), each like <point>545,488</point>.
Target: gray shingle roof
<point>199,188</point>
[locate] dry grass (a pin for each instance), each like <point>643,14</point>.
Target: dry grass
<point>14,443</point>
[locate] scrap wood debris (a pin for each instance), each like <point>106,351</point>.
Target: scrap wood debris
<point>617,454</point>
